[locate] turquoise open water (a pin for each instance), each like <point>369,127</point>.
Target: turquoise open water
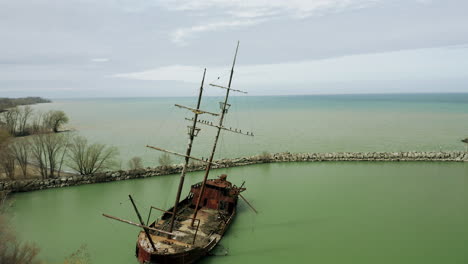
<point>331,123</point>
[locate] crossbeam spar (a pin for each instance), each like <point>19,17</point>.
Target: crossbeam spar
<point>235,130</point>
<point>196,111</point>
<point>227,88</point>
<point>179,154</point>
<point>139,225</point>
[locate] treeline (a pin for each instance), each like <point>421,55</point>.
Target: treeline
<point>23,121</point>
<point>6,103</point>
<point>46,154</point>
<point>31,147</point>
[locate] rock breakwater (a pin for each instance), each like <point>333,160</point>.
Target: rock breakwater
<point>40,184</point>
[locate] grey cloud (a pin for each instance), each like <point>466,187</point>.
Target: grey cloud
<point>55,41</point>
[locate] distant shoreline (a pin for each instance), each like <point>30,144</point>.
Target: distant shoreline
<point>110,176</point>
<point>264,95</point>
<point>6,103</point>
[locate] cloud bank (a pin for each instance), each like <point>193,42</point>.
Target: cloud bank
<point>425,64</point>
<point>232,14</point>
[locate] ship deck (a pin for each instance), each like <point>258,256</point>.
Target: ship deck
<point>211,224</point>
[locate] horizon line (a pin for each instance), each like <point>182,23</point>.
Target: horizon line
<point>266,95</point>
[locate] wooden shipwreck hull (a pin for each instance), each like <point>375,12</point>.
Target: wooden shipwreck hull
<point>191,242</point>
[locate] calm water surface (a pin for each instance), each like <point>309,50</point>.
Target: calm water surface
<point>280,123</point>
<point>309,213</point>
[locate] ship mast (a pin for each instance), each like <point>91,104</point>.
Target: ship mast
<point>220,127</point>
<point>193,131</point>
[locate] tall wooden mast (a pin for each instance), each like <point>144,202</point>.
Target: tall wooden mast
<point>220,127</point>
<point>193,131</point>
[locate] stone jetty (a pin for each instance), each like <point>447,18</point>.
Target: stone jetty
<point>411,156</point>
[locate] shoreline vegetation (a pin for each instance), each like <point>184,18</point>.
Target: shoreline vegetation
<point>6,103</point>
<point>27,185</point>
<point>32,145</point>
<point>19,119</point>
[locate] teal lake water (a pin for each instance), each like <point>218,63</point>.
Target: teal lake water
<point>282,123</point>
<point>324,213</point>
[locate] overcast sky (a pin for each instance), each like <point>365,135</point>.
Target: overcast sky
<point>114,48</point>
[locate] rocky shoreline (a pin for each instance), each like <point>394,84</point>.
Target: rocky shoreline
<point>39,184</point>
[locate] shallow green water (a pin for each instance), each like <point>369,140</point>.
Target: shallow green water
<point>324,213</point>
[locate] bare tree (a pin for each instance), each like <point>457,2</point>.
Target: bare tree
<point>53,120</point>
<point>88,159</point>
<point>66,144</point>
<point>165,160</point>
<point>135,163</point>
<point>53,147</point>
<point>466,143</point>
<point>21,150</point>
<point>37,124</point>
<point>47,150</point>
<point>10,118</point>
<point>3,198</point>
<point>4,136</point>
<point>265,156</point>
<point>24,113</point>
<point>7,162</point>
<point>39,154</point>
<point>11,250</point>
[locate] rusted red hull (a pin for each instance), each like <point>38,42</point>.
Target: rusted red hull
<point>181,258</point>
<point>187,257</point>
<point>220,207</point>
